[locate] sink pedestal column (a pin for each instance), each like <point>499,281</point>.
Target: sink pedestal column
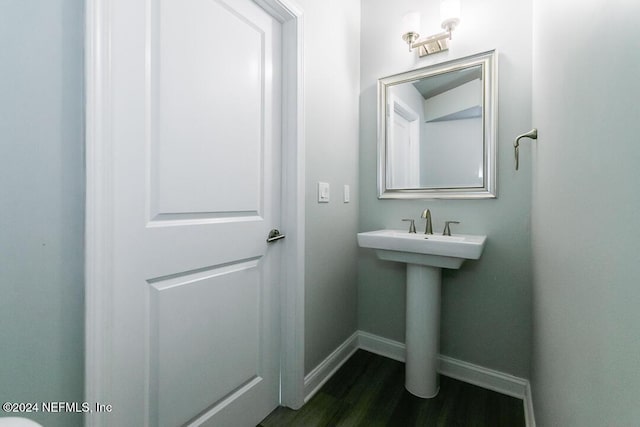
<point>422,330</point>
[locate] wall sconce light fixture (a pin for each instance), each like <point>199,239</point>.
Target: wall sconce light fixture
<point>450,16</point>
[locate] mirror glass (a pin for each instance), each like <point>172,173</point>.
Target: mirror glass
<point>437,131</point>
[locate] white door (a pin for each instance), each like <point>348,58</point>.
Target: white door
<point>196,134</point>
<point>399,151</point>
<point>403,168</point>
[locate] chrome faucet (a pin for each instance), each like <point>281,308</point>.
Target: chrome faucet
<point>428,229</point>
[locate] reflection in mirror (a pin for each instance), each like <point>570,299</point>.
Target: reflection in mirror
<point>443,116</point>
<point>437,131</point>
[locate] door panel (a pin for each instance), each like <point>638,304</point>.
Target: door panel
<point>197,188</point>
<point>208,103</point>
<point>190,326</point>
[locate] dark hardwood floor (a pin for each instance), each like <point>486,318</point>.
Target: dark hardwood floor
<point>369,391</point>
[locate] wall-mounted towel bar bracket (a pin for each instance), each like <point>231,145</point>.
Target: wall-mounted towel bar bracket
<point>532,134</point>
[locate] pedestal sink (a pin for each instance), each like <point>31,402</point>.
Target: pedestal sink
<point>425,255</point>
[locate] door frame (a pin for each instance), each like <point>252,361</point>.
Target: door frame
<point>99,215</point>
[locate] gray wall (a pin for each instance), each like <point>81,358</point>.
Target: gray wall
<point>586,207</point>
<point>486,306</point>
<point>41,194</point>
<point>332,83</point>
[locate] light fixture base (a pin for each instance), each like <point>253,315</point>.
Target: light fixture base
<point>436,46</point>
<point>433,44</point>
<point>410,38</point>
<point>450,24</point>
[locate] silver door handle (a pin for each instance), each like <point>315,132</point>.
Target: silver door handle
<point>275,235</point>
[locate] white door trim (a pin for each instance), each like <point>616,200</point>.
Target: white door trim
<point>99,246</point>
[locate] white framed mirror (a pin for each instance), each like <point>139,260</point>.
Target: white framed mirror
<point>437,131</point>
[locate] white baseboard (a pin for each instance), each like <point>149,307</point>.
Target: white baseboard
<point>450,367</point>
<point>315,379</point>
<point>454,368</point>
<point>492,380</point>
<point>483,377</point>
<point>382,346</point>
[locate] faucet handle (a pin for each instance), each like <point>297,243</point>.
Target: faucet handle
<point>412,226</point>
<point>447,229</point>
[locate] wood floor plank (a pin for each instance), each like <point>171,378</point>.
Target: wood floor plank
<point>368,391</point>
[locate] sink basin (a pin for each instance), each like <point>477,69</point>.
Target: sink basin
<point>425,255</point>
<point>423,249</point>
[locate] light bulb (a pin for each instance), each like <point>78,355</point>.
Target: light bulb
<point>450,14</point>
<point>411,23</point>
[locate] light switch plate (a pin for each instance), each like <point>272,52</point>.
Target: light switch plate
<point>347,196</point>
<point>323,192</point>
